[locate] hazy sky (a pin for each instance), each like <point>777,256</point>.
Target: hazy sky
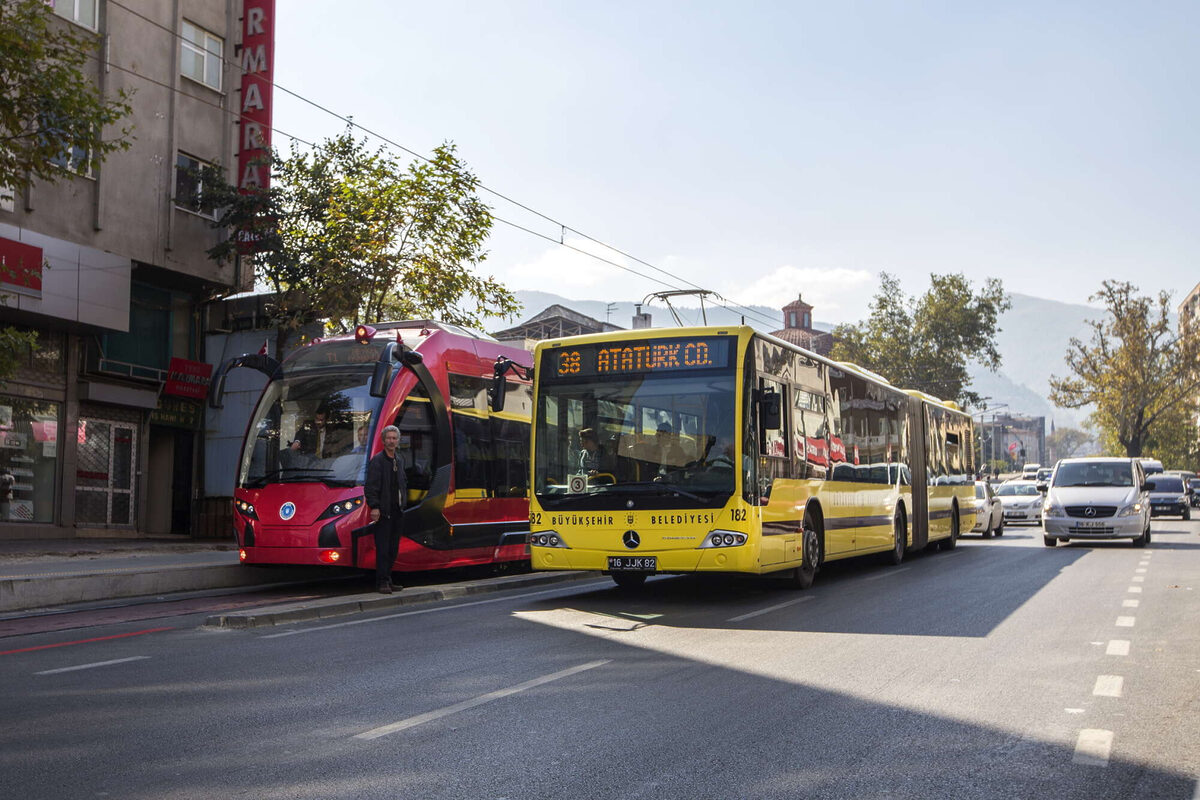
<point>767,149</point>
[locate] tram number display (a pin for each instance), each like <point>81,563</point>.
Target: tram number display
<point>625,358</point>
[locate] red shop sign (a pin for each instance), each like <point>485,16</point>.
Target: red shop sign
<point>188,378</point>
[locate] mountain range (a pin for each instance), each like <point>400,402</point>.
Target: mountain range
<point>1033,340</point>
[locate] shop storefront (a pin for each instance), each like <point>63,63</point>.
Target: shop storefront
<point>28,459</point>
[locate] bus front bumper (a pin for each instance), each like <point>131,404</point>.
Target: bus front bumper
<point>716,559</point>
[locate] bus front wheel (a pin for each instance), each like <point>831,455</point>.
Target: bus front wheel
<point>810,549</point>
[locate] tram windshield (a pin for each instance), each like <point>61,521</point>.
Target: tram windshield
<point>311,427</point>
<point>613,439</point>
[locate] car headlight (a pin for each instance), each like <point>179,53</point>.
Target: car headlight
<point>1050,509</point>
<point>1131,510</point>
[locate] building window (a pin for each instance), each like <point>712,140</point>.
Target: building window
<point>82,12</point>
<point>28,459</point>
<point>200,54</point>
<point>189,184</point>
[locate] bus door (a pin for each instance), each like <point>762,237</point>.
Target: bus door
<point>917,437</point>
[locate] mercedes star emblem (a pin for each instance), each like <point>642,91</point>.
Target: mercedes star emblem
<point>631,539</point>
<point>1089,512</point>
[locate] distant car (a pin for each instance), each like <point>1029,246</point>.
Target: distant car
<point>1097,498</point>
<point>1150,466</point>
<point>1043,475</point>
<point>989,511</point>
<point>1194,485</point>
<point>1168,496</point>
<point>1021,500</point>
<point>1029,471</point>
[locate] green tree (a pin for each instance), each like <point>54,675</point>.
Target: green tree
<point>926,343</point>
<point>1069,442</point>
<point>1137,370</point>
<point>347,235</point>
<point>48,108</point>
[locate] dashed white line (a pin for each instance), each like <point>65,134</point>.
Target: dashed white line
<point>1139,578</point>
<point>1108,686</point>
<point>1134,590</point>
<point>91,666</point>
<point>1118,647</point>
<point>1140,570</point>
<point>1125,622</point>
<point>887,574</point>
<point>429,716</point>
<point>1130,603</point>
<point>769,609</point>
<point>1093,747</point>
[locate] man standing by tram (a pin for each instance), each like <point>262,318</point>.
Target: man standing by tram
<point>386,489</point>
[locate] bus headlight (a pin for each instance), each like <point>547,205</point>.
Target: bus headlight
<point>548,539</point>
<point>721,538</point>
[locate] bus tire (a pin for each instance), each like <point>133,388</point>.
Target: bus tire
<point>629,580</point>
<point>899,539</point>
<point>810,550</point>
<point>950,542</point>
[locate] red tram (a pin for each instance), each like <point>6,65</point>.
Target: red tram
<point>299,489</point>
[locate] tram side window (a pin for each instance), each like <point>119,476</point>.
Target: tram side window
<point>468,391</point>
<point>510,463</point>
<point>472,453</point>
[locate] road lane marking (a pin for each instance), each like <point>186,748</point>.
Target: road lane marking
<point>85,641</point>
<point>429,716</point>
<point>769,609</point>
<point>1108,686</point>
<point>1093,747</point>
<point>1125,622</point>
<point>1130,603</point>
<point>887,574</point>
<point>1139,578</point>
<point>1118,647</point>
<point>424,611</point>
<point>1140,570</point>
<point>91,666</point>
<point>1135,590</point>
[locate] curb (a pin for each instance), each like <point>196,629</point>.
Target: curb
<point>47,591</point>
<point>342,606</point>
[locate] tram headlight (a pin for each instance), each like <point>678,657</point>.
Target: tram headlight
<point>342,507</point>
<point>247,509</point>
<point>548,539</point>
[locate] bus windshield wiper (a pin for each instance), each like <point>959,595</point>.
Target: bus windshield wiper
<point>660,487</point>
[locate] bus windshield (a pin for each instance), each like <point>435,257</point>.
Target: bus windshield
<point>310,426</point>
<point>660,440</point>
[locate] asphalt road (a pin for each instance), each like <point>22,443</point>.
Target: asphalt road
<point>1002,669</point>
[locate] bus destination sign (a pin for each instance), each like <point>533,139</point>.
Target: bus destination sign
<point>638,357</point>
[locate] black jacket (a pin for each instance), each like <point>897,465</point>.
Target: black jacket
<point>385,484</point>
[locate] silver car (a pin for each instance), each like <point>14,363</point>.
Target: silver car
<point>989,511</point>
<point>1021,500</point>
<point>1096,498</point>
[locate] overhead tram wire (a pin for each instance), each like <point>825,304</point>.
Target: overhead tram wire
<point>727,305</point>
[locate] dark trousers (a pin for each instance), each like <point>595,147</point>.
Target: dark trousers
<point>387,543</point>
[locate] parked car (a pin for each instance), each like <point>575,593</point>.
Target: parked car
<point>1194,485</point>
<point>1097,498</point>
<point>989,511</point>
<point>1021,500</point>
<point>1169,496</point>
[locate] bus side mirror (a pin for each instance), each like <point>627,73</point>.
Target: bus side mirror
<point>381,378</point>
<point>769,410</point>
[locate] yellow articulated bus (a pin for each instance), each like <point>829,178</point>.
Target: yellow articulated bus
<point>726,450</point>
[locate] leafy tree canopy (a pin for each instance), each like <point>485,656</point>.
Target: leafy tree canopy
<point>1136,370</point>
<point>1069,442</point>
<point>346,234</point>
<point>48,106</point>
<point>926,343</point>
